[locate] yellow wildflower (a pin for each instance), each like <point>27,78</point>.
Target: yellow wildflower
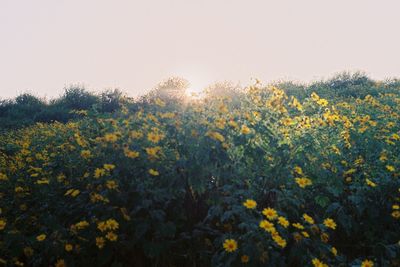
<point>370,183</point>
<point>303,182</point>
<point>390,168</point>
<point>111,236</point>
<point>152,152</point>
<point>41,237</point>
<point>367,263</point>
<point>250,204</point>
<point>330,223</point>
<point>111,137</point>
<point>270,213</point>
<point>267,226</point>
<point>154,172</point>
<point>244,259</point>
<point>60,263</point>
<point>81,225</point>
<point>112,224</point>
<point>100,241</point>
<point>230,245</point>
<point>396,214</point>
<point>154,137</point>
<point>68,247</point>
<point>298,226</point>
<point>109,167</point>
<point>111,184</point>
<point>334,251</point>
<point>317,263</point>
<point>245,130</point>
<point>99,173</point>
<point>3,223</point>
<point>308,218</point>
<point>86,154</point>
<point>283,221</point>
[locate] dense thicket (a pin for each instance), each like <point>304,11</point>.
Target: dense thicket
<point>252,176</point>
<point>27,109</point>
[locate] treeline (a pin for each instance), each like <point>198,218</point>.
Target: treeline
<point>27,109</point>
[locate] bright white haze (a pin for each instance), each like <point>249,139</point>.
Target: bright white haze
<point>46,45</point>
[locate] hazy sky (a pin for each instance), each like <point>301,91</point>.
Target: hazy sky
<point>46,45</point>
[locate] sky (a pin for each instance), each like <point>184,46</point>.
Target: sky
<point>47,45</point>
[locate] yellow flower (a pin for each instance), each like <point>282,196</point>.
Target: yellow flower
<point>41,237</point>
<point>298,170</point>
<point>317,263</point>
<point>154,172</point>
<point>270,213</point>
<point>100,241</point>
<point>85,154</point>
<point>297,237</point>
<point>159,102</point>
<point>279,240</point>
<point>18,189</point>
<point>102,226</point>
<point>305,234</point>
<point>111,137</point>
<point>390,168</point>
<point>152,152</point>
<point>245,130</point>
<point>233,124</point>
<point>68,247</point>
<point>230,245</point>
<point>396,214</point>
<point>81,225</point>
<point>136,134</point>
<point>322,102</point>
<point>111,184</point>
<point>112,224</point>
<point>370,183</point>
<point>3,223</point>
<point>109,167</point>
<point>367,263</point>
<point>216,136</point>
<point>283,221</point>
<point>303,182</point>
<point>72,192</point>
<point>99,173</point>
<point>3,177</point>
<point>330,223</point>
<point>60,263</point>
<point>131,153</point>
<point>43,181</point>
<point>308,218</point>
<point>244,259</point>
<point>111,236</point>
<point>298,226</point>
<point>314,96</point>
<point>324,237</point>
<point>334,251</point>
<point>250,204</point>
<point>154,137</point>
<point>267,226</point>
<point>395,207</point>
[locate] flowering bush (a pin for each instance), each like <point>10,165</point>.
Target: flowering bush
<point>271,181</point>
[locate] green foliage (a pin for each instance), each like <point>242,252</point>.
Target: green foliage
<point>160,182</point>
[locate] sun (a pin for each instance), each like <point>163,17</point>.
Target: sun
<point>196,86</point>
<point>193,91</point>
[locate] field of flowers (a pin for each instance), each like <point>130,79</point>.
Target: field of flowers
<point>270,180</point>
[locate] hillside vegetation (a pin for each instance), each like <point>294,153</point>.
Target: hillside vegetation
<point>270,175</point>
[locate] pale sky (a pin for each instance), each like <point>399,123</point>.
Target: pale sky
<point>46,45</point>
